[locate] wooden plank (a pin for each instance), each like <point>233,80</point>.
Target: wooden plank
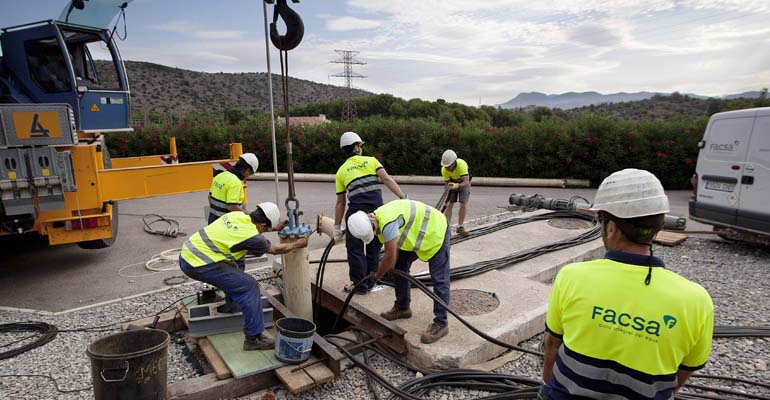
<point>208,387</point>
<point>669,238</point>
<point>169,321</point>
<point>242,363</point>
<point>304,379</point>
<point>497,362</point>
<point>321,348</point>
<point>216,362</point>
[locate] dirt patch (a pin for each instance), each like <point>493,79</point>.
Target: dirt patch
<point>469,302</point>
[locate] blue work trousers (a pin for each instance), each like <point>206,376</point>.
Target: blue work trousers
<point>361,265</point>
<point>438,266</point>
<point>238,286</point>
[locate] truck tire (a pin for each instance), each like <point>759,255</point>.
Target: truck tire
<point>104,243</point>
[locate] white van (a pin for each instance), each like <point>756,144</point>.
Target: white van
<point>731,184</point>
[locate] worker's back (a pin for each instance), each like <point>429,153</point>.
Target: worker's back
<point>621,336</point>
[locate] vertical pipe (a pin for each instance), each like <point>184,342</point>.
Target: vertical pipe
<point>172,145</point>
<point>272,110</point>
<point>296,282</point>
<point>236,150</point>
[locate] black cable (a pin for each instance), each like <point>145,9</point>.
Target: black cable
<point>722,331</point>
<point>319,278</point>
<point>172,228</point>
<point>55,383</point>
<point>46,333</point>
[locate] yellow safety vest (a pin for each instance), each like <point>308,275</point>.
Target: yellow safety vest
<point>423,230</point>
<point>212,244</point>
<point>226,189</point>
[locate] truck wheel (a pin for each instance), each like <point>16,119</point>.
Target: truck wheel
<point>104,243</point>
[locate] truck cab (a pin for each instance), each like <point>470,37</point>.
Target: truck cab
<point>53,62</point>
<point>732,177</point>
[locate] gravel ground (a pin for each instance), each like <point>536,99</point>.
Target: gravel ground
<point>736,275</point>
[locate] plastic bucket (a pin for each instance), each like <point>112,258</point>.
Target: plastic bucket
<point>293,339</point>
<point>130,365</point>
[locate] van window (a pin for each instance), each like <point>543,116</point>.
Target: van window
<point>46,65</point>
<point>759,152</point>
<point>728,139</point>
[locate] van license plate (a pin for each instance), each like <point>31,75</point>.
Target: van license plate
<point>720,186</point>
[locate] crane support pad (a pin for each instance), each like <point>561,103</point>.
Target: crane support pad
<point>36,125</point>
<point>134,183</point>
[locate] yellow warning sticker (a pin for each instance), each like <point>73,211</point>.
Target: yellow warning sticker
<point>95,108</point>
<point>37,125</point>
<point>46,172</point>
<point>11,175</point>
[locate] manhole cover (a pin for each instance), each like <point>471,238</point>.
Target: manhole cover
<point>469,302</point>
<point>569,223</point>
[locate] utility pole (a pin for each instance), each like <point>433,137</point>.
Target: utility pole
<point>349,108</point>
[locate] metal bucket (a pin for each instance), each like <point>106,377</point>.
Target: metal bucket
<point>293,339</point>
<point>130,365</point>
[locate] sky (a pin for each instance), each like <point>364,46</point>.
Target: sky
<point>471,52</point>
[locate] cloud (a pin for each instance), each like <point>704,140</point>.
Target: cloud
<point>342,24</point>
<point>188,28</point>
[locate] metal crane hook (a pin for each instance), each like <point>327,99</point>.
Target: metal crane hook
<point>295,29</point>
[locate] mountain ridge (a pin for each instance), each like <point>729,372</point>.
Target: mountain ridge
<point>570,100</point>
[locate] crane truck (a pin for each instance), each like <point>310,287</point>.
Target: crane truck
<point>56,174</point>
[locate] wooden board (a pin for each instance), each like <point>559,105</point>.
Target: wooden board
<point>208,387</point>
<point>216,362</point>
<point>669,238</point>
<point>170,321</point>
<point>242,363</point>
<point>304,379</point>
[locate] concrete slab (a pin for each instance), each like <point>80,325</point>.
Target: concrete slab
<point>522,290</point>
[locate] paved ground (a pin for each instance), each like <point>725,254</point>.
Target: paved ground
<point>36,276</point>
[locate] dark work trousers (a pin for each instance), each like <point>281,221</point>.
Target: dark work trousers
<point>360,265</point>
<point>237,285</point>
<point>438,266</point>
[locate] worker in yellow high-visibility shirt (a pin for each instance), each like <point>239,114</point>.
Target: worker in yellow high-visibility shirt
<point>226,193</point>
<point>457,178</point>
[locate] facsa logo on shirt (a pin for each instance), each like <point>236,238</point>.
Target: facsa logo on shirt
<point>626,320</point>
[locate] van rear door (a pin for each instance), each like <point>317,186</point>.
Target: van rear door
<point>720,165</point>
<point>754,204</point>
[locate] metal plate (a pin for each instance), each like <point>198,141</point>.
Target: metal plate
<point>720,186</point>
<point>469,302</point>
<point>569,223</point>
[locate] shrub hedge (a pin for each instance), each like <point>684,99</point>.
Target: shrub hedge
<point>587,147</point>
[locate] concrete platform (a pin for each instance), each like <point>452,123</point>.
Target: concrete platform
<point>522,290</point>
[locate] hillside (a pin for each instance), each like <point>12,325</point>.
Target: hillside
<point>570,100</point>
<point>160,89</point>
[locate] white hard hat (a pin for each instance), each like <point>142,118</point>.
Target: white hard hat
<point>349,138</point>
<point>252,160</point>
<point>360,226</point>
<point>271,212</point>
<point>448,158</point>
<point>631,193</point>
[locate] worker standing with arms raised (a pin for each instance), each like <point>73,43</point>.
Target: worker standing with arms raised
<point>458,180</point>
<point>212,255</point>
<point>623,326</point>
<point>226,193</point>
<point>358,177</point>
<point>410,230</point>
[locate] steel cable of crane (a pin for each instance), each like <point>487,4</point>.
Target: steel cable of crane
<point>481,267</point>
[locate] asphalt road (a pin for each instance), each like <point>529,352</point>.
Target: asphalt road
<point>34,275</point>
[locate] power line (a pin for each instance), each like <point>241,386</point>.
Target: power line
<point>347,60</point>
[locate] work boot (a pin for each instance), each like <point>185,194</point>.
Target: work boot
<point>397,313</point>
<point>228,308</point>
<point>434,333</point>
<point>462,232</point>
<point>259,342</point>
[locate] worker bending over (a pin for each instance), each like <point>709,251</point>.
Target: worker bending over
<point>410,230</point>
<point>624,327</point>
<point>358,177</point>
<point>457,178</point>
<point>212,255</point>
<point>226,193</point>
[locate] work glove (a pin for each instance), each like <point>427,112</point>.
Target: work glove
<point>455,186</point>
<point>338,234</point>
